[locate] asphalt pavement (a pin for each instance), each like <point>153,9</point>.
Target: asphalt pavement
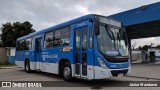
<point>140,72</point>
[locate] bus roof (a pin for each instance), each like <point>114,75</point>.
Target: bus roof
<point>59,26</point>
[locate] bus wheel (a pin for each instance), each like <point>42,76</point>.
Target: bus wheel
<point>67,72</point>
<point>27,67</point>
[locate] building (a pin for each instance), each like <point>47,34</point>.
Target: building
<point>7,55</point>
<point>136,55</point>
<point>3,55</point>
<point>141,22</point>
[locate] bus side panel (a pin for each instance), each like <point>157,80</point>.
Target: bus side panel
<point>72,56</point>
<point>32,56</point>
<point>19,58</point>
<point>52,56</point>
<point>90,51</point>
<point>49,60</point>
<point>29,56</point>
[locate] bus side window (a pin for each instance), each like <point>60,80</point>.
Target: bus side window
<point>18,48</point>
<point>21,45</point>
<point>77,40</point>
<point>65,36</point>
<point>90,37</point>
<point>38,45</point>
<point>84,39</point>
<point>28,44</point>
<point>48,40</point>
<point>57,38</point>
<point>62,37</point>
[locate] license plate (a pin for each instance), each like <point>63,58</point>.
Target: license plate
<point>120,75</point>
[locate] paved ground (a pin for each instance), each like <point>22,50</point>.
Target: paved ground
<point>149,70</point>
<point>140,72</point>
<point>18,74</point>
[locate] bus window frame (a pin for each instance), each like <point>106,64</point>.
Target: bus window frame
<point>45,38</point>
<point>31,42</point>
<point>60,32</point>
<point>23,44</point>
<point>90,36</point>
<point>54,37</point>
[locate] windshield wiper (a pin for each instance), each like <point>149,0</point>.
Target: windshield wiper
<point>118,38</point>
<point>111,35</point>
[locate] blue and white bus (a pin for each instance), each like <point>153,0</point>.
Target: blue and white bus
<point>88,47</point>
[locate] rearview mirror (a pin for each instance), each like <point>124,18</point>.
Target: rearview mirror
<point>97,32</point>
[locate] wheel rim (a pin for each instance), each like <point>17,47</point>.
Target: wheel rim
<point>66,72</point>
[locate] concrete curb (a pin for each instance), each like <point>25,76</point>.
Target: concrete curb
<point>10,67</point>
<point>144,77</point>
<point>147,63</point>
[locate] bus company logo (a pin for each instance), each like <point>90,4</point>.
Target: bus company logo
<point>113,66</point>
<point>6,84</point>
<point>50,56</point>
<point>120,65</point>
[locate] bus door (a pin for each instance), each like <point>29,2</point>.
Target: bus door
<point>81,52</point>
<point>38,52</point>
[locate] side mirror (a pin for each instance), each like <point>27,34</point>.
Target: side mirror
<point>97,31</point>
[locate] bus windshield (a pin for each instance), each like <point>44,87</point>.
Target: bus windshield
<point>112,41</point>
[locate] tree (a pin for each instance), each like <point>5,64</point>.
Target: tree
<point>158,46</point>
<point>135,44</point>
<point>139,48</point>
<point>146,47</point>
<point>10,32</point>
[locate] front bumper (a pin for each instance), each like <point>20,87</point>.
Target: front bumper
<point>102,73</point>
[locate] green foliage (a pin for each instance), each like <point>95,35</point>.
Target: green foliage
<point>146,47</point>
<point>10,32</point>
<point>158,46</point>
<point>139,48</point>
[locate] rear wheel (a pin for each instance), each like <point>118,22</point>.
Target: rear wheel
<point>67,72</point>
<point>27,67</point>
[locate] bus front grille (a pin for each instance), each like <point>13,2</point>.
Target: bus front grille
<point>117,59</point>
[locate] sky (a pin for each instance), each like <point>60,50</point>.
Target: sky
<point>46,13</point>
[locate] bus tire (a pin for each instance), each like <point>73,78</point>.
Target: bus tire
<point>67,72</point>
<point>27,66</point>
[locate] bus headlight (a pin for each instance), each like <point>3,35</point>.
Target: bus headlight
<point>102,63</point>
